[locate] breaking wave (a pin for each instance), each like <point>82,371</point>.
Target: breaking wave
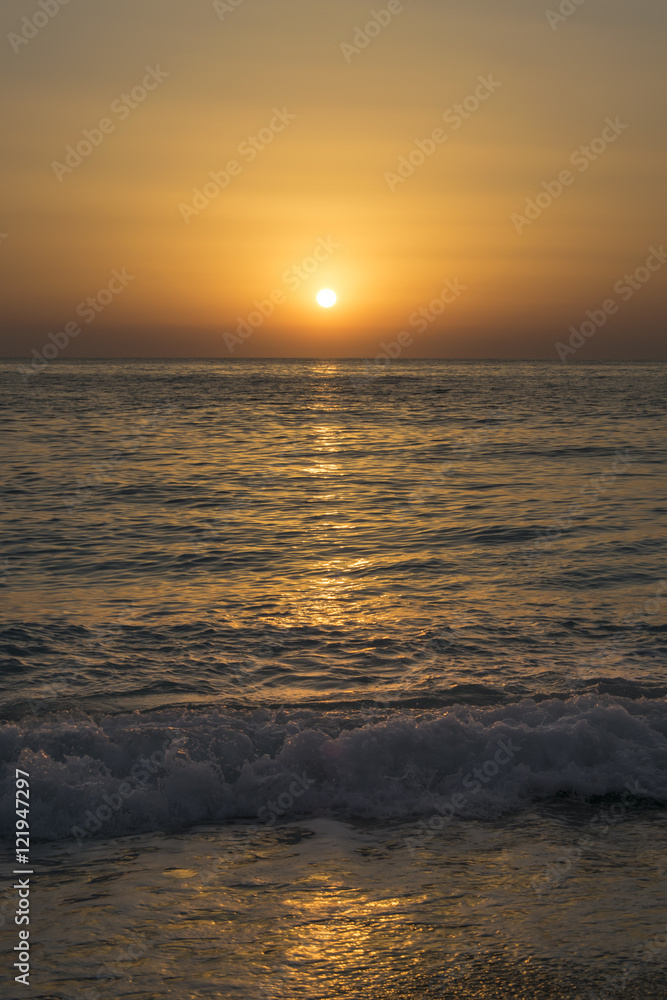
<point>175,768</point>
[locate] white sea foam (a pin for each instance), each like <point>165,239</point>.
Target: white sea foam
<point>172,769</point>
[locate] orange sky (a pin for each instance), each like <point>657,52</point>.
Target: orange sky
<point>382,164</point>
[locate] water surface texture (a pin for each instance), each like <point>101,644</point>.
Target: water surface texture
<point>338,680</point>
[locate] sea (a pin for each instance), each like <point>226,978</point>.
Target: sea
<point>334,679</point>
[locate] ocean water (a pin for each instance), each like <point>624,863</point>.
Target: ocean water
<point>336,680</point>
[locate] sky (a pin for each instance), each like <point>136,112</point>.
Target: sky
<point>473,178</point>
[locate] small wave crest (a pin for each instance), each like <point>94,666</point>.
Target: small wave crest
<point>172,769</point>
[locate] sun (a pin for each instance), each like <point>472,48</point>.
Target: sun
<point>326,298</point>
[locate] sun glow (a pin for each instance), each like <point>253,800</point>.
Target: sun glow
<point>326,298</point>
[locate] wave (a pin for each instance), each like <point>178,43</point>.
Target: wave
<point>172,769</point>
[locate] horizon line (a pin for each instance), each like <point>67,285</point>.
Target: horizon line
<point>392,361</point>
